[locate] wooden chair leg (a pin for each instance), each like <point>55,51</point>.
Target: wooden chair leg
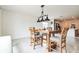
<point>34,45</point>
<point>65,49</point>
<point>48,49</point>
<point>61,50</point>
<point>41,42</point>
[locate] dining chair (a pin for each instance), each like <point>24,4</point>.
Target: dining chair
<point>36,38</point>
<point>63,39</point>
<point>44,35</point>
<point>44,38</point>
<point>52,45</point>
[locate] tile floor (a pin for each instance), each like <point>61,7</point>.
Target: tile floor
<point>23,46</point>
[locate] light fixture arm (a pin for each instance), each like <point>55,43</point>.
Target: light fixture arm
<point>42,12</point>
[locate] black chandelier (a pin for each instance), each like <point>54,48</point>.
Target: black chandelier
<point>43,17</point>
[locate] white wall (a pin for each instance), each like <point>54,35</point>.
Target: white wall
<point>17,25</point>
<point>0,21</point>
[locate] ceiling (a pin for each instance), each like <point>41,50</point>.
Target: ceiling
<point>51,10</point>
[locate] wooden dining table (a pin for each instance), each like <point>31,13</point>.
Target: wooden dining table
<point>47,33</point>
